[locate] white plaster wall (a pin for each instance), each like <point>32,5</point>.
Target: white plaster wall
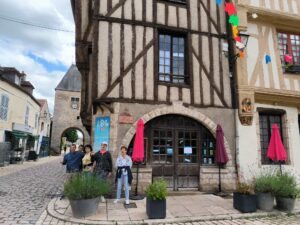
<point>248,157</point>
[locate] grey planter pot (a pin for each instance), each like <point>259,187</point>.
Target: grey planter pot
<point>265,201</point>
<point>85,207</point>
<point>285,204</point>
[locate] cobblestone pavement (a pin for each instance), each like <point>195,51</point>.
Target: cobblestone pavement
<point>26,189</point>
<point>281,220</point>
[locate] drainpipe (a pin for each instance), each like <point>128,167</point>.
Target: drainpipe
<point>233,86</point>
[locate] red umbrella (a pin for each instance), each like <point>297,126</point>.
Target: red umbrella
<point>276,150</point>
<point>138,149</point>
<point>138,146</point>
<point>221,154</point>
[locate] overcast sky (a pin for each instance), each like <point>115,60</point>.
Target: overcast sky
<point>44,55</point>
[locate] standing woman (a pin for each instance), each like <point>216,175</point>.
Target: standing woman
<point>123,165</point>
<point>87,159</point>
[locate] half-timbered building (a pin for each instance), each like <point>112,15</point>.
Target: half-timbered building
<point>269,82</point>
<point>160,61</point>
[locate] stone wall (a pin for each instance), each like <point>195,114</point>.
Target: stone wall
<point>65,117</point>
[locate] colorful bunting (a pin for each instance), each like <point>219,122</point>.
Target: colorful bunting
<point>238,39</point>
<point>230,8</point>
<point>242,54</point>
<point>240,45</point>
<point>268,59</point>
<point>234,20</point>
<point>235,31</point>
<point>219,2</point>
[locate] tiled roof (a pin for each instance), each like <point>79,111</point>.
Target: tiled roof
<point>71,81</point>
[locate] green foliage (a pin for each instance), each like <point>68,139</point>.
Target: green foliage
<point>71,136</point>
<point>285,186</point>
<point>85,186</point>
<point>157,190</point>
<point>244,188</point>
<point>265,183</point>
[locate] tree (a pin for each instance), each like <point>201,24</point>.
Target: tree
<point>71,136</point>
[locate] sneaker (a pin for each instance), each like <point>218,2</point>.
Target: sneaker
<point>127,202</point>
<point>103,199</point>
<point>116,201</point>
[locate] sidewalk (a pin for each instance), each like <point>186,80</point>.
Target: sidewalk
<point>180,209</point>
<point>12,168</point>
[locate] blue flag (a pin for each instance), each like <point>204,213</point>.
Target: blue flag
<point>268,59</point>
<point>219,2</point>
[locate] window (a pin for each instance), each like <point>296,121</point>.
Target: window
<point>74,102</point>
<point>289,44</point>
<point>266,120</point>
<point>172,59</point>
<point>36,122</point>
<point>42,126</point>
<point>4,107</point>
<point>26,116</point>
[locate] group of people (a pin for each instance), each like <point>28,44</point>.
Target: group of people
<point>100,163</point>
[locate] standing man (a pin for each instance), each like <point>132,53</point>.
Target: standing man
<point>73,160</point>
<point>102,165</point>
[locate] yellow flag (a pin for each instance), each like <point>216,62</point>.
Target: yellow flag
<point>235,31</point>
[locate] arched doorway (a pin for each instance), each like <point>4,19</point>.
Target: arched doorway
<point>71,135</point>
<point>176,146</point>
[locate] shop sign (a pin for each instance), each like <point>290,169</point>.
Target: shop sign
<point>101,132</point>
<point>125,118</point>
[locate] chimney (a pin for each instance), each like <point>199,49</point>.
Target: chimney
<point>27,86</point>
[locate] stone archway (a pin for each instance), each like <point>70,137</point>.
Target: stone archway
<point>180,110</point>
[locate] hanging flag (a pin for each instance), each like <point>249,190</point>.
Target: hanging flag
<point>219,2</point>
<point>235,31</point>
<point>240,45</point>
<point>288,58</point>
<point>230,8</point>
<point>238,39</point>
<point>234,20</point>
<point>268,59</point>
<point>242,54</point>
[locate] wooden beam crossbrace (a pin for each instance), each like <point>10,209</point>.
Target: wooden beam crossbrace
<point>115,8</point>
<point>128,68</point>
<point>209,17</point>
<point>209,78</point>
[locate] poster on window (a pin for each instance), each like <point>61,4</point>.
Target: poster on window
<point>187,150</point>
<point>101,133</point>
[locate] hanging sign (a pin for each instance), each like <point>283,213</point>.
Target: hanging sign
<point>101,132</point>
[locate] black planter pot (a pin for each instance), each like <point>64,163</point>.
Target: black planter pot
<point>265,201</point>
<point>244,203</point>
<point>84,207</point>
<point>156,209</point>
<point>285,204</point>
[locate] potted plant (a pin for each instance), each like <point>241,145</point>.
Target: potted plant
<point>286,192</point>
<point>156,199</point>
<point>244,198</point>
<point>84,191</point>
<point>264,190</point>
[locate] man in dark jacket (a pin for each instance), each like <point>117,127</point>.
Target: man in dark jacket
<point>73,160</point>
<point>102,165</point>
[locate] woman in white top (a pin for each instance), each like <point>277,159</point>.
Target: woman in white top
<point>123,165</point>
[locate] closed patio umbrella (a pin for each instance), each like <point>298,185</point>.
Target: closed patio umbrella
<point>138,149</point>
<point>276,150</point>
<point>221,154</point>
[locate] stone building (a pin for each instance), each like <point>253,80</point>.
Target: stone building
<point>19,114</point>
<point>160,61</point>
<point>67,108</point>
<point>268,83</point>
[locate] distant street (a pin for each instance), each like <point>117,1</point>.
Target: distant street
<point>25,190</point>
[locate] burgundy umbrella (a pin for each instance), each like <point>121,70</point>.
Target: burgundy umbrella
<point>221,154</point>
<point>138,149</point>
<point>276,150</point>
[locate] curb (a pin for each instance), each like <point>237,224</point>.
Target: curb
<point>52,212</point>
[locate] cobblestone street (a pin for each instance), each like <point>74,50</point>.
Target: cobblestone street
<point>25,190</point>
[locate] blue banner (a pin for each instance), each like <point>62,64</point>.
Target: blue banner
<point>101,132</point>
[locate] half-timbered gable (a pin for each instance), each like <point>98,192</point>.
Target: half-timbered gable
<point>158,60</point>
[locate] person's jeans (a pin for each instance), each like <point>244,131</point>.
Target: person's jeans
<point>119,189</point>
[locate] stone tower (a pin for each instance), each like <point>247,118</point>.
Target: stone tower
<point>67,108</point>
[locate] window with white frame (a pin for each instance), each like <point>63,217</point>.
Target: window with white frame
<point>36,122</point>
<point>4,107</point>
<point>26,116</point>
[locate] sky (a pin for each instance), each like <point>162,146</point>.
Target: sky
<point>44,55</point>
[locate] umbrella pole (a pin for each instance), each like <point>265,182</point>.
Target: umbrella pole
<point>280,168</point>
<point>219,178</point>
<point>137,179</point>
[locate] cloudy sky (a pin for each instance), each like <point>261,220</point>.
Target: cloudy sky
<point>43,54</point>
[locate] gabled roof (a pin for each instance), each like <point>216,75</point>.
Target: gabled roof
<point>71,81</point>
